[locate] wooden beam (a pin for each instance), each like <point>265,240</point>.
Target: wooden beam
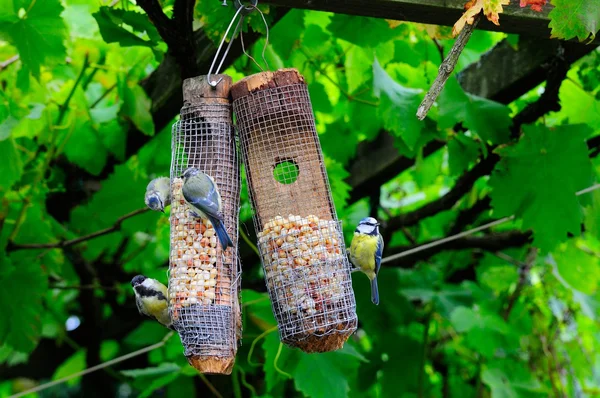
<point>505,72</point>
<point>513,19</point>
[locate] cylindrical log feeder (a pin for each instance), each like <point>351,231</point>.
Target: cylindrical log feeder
<point>300,239</point>
<point>204,281</point>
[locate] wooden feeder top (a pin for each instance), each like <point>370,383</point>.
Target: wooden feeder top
<point>265,80</point>
<point>198,90</point>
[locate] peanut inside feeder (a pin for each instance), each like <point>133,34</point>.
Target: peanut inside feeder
<point>204,281</point>
<point>300,239</point>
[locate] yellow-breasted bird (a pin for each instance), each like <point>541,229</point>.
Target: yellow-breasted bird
<point>365,252</point>
<point>151,299</point>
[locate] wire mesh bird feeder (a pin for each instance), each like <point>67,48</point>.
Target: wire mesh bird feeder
<point>300,238</point>
<point>204,281</point>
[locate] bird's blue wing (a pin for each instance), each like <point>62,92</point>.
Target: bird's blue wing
<point>378,254</point>
<point>208,207</point>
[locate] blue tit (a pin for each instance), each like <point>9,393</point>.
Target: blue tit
<point>151,299</point>
<point>365,252</point>
<point>158,194</point>
<point>200,192</point>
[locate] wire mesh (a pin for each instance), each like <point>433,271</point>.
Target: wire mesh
<point>300,240</point>
<point>204,282</point>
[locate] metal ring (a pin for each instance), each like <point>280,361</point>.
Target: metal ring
<point>246,9</point>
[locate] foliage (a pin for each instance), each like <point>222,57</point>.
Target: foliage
<point>568,19</point>
<point>85,116</point>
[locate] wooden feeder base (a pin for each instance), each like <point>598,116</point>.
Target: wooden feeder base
<point>314,344</point>
<point>212,365</point>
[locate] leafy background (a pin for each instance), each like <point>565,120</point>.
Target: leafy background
<point>89,92</point>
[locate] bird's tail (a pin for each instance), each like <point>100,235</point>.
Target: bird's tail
<point>221,233</point>
<point>374,291</point>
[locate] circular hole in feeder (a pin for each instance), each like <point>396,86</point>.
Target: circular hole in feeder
<point>286,171</point>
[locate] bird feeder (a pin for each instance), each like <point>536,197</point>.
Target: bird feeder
<point>300,238</point>
<point>204,280</point>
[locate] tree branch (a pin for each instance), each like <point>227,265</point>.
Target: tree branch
<point>166,28</point>
<point>523,275</point>
<point>468,216</point>
<point>70,242</point>
<point>446,68</point>
<point>492,242</point>
<point>463,186</point>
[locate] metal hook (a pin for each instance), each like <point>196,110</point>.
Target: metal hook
<point>253,6</point>
<point>214,84</point>
<point>247,9</point>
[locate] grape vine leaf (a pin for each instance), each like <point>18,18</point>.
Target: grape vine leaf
<point>38,35</point>
<point>136,105</point>
<point>537,180</point>
<point>275,371</point>
<point>536,5</point>
<point>577,267</point>
<point>488,119</point>
<point>491,9</point>
<point>285,35</point>
<point>85,148</point>
<point>398,106</point>
<point>336,369</point>
<point>511,380</point>
<point>109,22</point>
<point>11,166</point>
<point>575,18</point>
<point>461,151</point>
<point>373,31</point>
<point>75,363</point>
<point>24,286</point>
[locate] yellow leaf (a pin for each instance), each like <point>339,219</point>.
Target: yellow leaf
<point>393,23</point>
<point>491,9</point>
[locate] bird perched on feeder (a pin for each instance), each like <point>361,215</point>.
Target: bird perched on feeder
<point>151,299</point>
<point>365,252</point>
<point>200,192</point>
<point>158,194</point>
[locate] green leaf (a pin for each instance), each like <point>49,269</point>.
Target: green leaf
<point>75,363</point>
<point>537,180</point>
<point>6,127</point>
<point>136,106</point>
<point>575,18</point>
<point>498,277</point>
<point>275,372</point>
<point>446,298</point>
<point>285,35</point>
<point>462,150</point>
<point>23,285</point>
<point>163,368</point>
<point>11,166</point>
<point>38,35</point>
<point>157,383</point>
<point>110,21</point>
<point>488,119</point>
<point>372,32</point>
<point>399,376</point>
<point>340,190</point>
<point>358,63</point>
<point>578,268</point>
<point>507,384</point>
<point>85,148</point>
<point>398,106</point>
<point>463,319</point>
<point>332,380</point>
